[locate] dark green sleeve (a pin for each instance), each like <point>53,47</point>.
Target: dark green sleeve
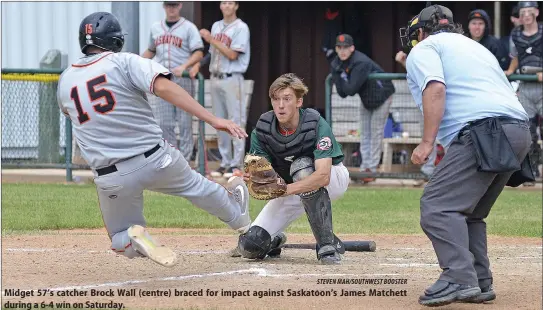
<point>256,149</point>
<point>327,146</point>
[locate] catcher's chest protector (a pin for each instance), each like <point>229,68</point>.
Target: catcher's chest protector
<point>530,50</point>
<point>284,150</point>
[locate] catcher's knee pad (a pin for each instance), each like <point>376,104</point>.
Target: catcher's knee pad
<point>255,243</point>
<point>301,168</point>
<point>122,245</point>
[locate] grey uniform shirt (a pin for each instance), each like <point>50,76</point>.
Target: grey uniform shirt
<point>236,36</point>
<point>104,96</point>
<point>174,46</point>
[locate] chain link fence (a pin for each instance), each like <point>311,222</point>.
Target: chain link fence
<point>35,134</point>
<point>33,128</point>
<point>396,128</point>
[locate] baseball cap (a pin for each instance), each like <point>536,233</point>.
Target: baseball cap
<point>475,14</point>
<point>515,12</point>
<point>344,40</point>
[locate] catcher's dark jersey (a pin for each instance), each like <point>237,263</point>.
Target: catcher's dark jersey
<point>326,147</point>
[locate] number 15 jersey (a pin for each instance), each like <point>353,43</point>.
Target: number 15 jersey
<point>105,97</point>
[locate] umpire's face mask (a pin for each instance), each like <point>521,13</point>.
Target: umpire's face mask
<point>409,36</point>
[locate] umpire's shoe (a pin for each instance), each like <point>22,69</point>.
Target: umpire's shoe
<point>487,294</point>
<point>144,244</point>
<point>237,187</point>
<point>443,293</point>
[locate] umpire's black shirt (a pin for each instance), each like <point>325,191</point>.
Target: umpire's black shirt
<point>351,77</point>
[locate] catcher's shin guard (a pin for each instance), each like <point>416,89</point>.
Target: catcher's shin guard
<point>318,208</point>
<point>319,214</point>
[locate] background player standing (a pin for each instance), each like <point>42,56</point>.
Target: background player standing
<point>176,44</point>
<point>104,95</point>
<point>229,54</point>
<point>302,149</point>
<point>527,51</point>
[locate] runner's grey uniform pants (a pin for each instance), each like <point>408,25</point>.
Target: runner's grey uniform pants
<point>455,203</point>
<point>168,116</point>
<point>166,171</point>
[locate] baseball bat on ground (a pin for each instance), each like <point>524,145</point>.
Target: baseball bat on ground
<point>351,246</point>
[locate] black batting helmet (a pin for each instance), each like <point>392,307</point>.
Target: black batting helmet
<point>101,29</point>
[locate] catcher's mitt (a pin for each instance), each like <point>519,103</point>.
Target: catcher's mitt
<point>264,183</point>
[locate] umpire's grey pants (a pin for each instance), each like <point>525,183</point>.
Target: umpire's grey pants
<point>455,203</point>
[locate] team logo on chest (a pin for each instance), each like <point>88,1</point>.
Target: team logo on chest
<point>169,39</point>
<point>529,50</point>
<point>324,144</point>
<point>223,38</point>
<point>289,158</point>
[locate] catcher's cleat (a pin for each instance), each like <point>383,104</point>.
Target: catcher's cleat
<point>146,246</point>
<point>236,186</point>
<point>330,259</point>
<point>276,245</point>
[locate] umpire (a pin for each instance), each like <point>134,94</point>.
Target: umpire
<point>475,119</point>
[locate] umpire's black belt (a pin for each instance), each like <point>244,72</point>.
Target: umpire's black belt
<point>113,168</point>
<point>221,75</point>
<point>503,120</point>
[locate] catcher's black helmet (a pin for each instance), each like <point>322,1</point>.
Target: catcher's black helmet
<point>528,4</point>
<point>101,29</point>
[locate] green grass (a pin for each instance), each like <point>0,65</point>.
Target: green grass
<point>31,207</point>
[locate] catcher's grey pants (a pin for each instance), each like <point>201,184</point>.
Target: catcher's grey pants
<point>372,133</point>
<point>530,95</point>
<point>228,99</point>
<point>168,116</point>
<point>280,212</point>
<point>166,171</point>
<point>455,203</point>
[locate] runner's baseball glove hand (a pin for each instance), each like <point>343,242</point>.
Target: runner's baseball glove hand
<point>264,183</point>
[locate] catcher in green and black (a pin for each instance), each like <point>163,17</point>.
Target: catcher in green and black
<point>306,173</point>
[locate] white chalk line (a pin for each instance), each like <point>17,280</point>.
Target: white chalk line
<point>196,252</point>
<point>261,272</point>
<point>257,271</point>
<point>410,265</point>
<point>60,250</point>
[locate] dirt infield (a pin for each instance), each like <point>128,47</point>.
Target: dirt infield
<point>79,262</point>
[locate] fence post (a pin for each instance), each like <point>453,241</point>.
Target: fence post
<point>201,125</point>
<point>68,150</point>
<point>49,120</point>
<point>328,99</point>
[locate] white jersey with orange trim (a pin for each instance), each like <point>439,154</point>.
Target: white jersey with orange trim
<point>174,45</point>
<point>104,95</point>
<point>236,36</point>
